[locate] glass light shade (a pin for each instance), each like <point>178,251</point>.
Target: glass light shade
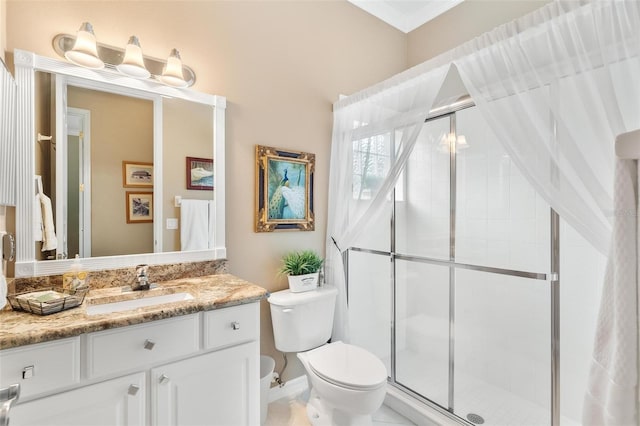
<point>85,51</point>
<point>172,74</point>
<point>461,142</point>
<point>133,63</point>
<point>445,142</point>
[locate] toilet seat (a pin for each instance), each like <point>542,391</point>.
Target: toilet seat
<point>348,366</point>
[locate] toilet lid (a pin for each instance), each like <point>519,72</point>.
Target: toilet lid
<point>348,366</point>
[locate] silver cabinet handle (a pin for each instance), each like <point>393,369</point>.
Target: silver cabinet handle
<point>163,379</point>
<point>28,372</point>
<point>149,344</point>
<point>235,325</point>
<point>133,390</point>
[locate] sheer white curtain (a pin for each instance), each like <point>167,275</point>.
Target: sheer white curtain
<point>556,87</point>
<point>395,109</point>
<point>556,94</point>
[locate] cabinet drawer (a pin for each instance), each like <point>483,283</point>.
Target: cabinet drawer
<point>42,367</point>
<point>228,326</point>
<point>116,402</point>
<point>141,345</point>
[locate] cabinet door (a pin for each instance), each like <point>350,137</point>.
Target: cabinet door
<point>112,403</point>
<point>218,388</point>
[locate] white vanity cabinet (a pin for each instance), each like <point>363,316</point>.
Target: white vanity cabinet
<point>195,369</point>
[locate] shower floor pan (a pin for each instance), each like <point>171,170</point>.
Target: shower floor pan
<point>496,406</point>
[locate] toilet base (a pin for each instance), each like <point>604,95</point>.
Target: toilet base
<point>320,415</point>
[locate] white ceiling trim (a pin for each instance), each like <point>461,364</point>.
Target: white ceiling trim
<point>406,16</point>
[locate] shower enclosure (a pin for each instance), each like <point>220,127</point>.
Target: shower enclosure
<point>479,300</point>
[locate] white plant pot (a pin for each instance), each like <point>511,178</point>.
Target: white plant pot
<point>300,283</point>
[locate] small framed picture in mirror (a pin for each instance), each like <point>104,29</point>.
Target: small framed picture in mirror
<point>139,207</point>
<point>137,175</point>
<point>200,173</point>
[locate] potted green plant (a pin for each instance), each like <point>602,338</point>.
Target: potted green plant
<point>302,269</point>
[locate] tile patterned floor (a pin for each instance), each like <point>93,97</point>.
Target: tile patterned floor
<point>291,411</point>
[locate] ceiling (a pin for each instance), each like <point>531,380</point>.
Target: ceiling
<point>405,15</point>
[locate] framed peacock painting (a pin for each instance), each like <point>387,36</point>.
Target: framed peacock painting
<point>284,190</point>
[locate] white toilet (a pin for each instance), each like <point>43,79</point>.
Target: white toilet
<point>348,383</point>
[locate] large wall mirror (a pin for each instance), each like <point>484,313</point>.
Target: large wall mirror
<point>123,153</point>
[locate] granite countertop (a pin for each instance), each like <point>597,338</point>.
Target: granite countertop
<point>209,292</point>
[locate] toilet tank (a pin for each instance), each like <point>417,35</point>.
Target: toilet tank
<point>302,321</point>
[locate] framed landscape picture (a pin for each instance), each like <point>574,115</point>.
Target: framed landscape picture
<point>284,190</point>
<point>137,175</point>
<point>200,173</point>
<point>139,207</point>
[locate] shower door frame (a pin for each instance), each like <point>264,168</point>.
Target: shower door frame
<point>553,278</point>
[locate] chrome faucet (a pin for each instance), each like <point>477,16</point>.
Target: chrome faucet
<point>142,279</point>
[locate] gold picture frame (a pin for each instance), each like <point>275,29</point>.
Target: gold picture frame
<point>284,190</point>
<point>139,207</point>
<point>137,175</point>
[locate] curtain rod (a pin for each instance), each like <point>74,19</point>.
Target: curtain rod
<point>462,102</point>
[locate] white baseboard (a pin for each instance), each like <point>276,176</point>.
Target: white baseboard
<point>289,389</point>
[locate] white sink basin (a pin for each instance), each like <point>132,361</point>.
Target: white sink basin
<point>127,305</point>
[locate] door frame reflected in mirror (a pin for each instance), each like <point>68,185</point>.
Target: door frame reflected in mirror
<point>79,126</point>
<point>26,65</point>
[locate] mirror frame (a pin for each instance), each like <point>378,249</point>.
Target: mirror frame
<point>26,64</point>
<point>7,138</point>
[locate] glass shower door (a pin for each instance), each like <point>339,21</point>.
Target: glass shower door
<point>450,286</point>
<point>502,306</point>
<point>472,300</point>
<point>422,284</point>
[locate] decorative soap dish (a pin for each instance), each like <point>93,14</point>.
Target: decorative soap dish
<point>47,301</point>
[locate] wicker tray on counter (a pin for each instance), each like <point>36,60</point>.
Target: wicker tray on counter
<point>48,301</point>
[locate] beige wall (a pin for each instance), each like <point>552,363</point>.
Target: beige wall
<point>187,132</point>
<point>121,129</point>
<point>463,23</point>
<point>3,27</point>
<point>280,64</point>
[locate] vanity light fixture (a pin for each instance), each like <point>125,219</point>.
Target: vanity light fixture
<point>172,74</point>
<point>85,51</point>
<point>133,62</point>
